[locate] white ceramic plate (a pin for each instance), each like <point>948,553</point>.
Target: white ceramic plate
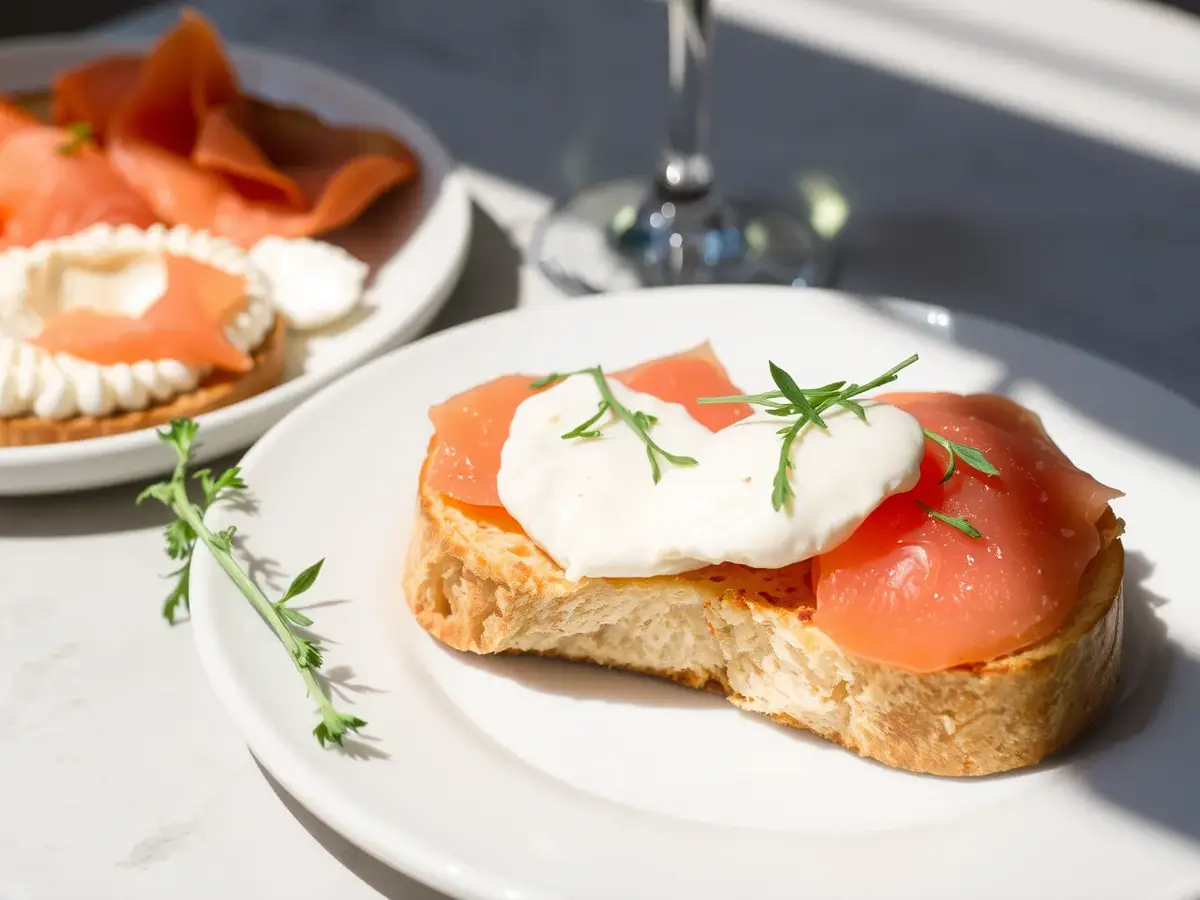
<point>412,278</point>
<point>524,779</point>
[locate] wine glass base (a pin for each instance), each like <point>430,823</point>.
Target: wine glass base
<point>628,234</point>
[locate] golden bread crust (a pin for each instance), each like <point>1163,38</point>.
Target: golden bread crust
<point>477,583</point>
<point>220,389</point>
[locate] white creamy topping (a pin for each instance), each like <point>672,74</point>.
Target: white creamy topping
<point>592,505</point>
<point>115,270</point>
<point>314,283</point>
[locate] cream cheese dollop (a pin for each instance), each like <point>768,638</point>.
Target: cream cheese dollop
<point>314,283</point>
<point>117,270</point>
<point>593,506</point>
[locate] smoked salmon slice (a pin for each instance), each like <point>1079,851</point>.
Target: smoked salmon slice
<point>684,377</point>
<point>186,323</point>
<point>178,128</point>
<point>13,119</point>
<point>471,427</point>
<point>92,93</point>
<point>910,591</point>
<point>54,183</point>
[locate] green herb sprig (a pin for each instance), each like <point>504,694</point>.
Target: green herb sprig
<point>79,135</point>
<point>637,420</point>
<point>188,528</point>
<point>962,524</point>
<point>969,455</point>
<point>807,406</point>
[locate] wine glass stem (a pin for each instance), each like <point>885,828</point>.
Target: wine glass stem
<point>685,169</point>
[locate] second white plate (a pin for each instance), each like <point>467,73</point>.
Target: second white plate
<point>525,779</point>
<point>409,287</point>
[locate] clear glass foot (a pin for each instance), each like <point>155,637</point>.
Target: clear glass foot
<point>625,234</point>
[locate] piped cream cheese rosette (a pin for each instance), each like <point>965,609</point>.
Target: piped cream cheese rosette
<point>123,272</point>
<point>114,272</point>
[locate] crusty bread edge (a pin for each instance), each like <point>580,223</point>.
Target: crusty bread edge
<point>221,389</point>
<point>1007,714</point>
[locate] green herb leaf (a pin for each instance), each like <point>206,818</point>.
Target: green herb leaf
<point>856,408</point>
<point>584,429</point>
<point>969,455</point>
<point>791,391</point>
<point>948,446</point>
<point>781,489</point>
<point>160,492</point>
<point>180,434</point>
<point>770,398</point>
<point>961,524</point>
<point>79,134</point>
<point>229,480</point>
<point>552,378</point>
<point>302,582</point>
<point>294,616</point>
<point>975,459</point>
<point>180,538</point>
<point>224,538</point>
<point>177,597</point>
<point>637,420</point>
<point>655,471</point>
<point>307,653</point>
<point>333,728</point>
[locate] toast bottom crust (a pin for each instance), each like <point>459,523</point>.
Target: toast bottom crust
<point>475,582</point>
<point>220,389</point>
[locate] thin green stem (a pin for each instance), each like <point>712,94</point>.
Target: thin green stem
<point>183,507</point>
<point>185,510</point>
<point>631,419</point>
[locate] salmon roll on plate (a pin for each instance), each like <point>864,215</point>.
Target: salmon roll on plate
<point>923,578</point>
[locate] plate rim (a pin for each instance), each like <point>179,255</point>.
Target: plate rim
<point>320,792</point>
<point>453,200</point>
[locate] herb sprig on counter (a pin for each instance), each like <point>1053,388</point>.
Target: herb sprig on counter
<point>188,529</point>
<point>637,420</point>
<point>807,406</point>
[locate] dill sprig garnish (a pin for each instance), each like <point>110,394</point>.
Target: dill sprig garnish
<point>807,405</point>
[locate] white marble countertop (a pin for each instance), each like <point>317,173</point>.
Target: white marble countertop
<point>1042,168</point>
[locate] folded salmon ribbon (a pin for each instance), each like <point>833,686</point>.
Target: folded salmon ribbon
<point>187,323</point>
<point>173,138</point>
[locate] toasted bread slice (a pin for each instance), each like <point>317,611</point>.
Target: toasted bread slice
<point>476,582</point>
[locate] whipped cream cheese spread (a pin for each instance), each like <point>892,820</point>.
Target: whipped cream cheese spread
<point>592,504</point>
<point>117,270</point>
